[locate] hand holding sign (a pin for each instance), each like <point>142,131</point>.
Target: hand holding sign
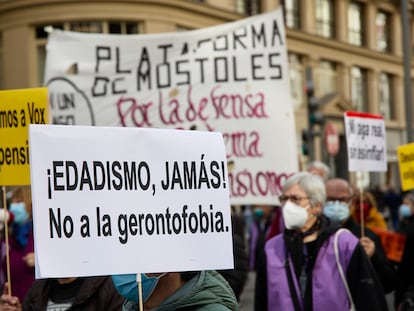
<point>365,136</point>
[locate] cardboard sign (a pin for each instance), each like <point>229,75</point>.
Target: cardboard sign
<point>110,200</point>
<point>392,242</point>
<point>232,78</point>
<point>18,109</point>
<point>365,137</point>
<point>406,163</point>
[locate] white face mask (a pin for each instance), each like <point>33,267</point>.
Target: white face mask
<point>294,215</point>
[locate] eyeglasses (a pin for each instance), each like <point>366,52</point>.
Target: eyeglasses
<point>294,198</point>
<point>339,199</point>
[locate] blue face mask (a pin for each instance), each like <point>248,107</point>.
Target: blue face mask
<point>19,212</point>
<point>127,285</point>
<point>336,211</point>
<point>405,210</point>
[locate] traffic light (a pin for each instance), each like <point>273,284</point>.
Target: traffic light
<point>306,138</point>
<point>315,116</point>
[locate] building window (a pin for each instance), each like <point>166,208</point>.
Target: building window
<point>356,23</point>
<point>291,13</point>
<point>326,78</point>
<point>125,28</point>
<point>383,30</point>
<point>385,87</point>
<point>325,19</point>
<point>359,94</point>
<point>83,26</point>
<point>296,74</point>
<point>248,7</point>
<point>42,32</point>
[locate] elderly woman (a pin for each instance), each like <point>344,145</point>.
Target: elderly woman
<point>302,269</point>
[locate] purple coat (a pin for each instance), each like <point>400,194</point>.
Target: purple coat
<point>254,235</point>
<point>328,289</point>
<point>21,275</point>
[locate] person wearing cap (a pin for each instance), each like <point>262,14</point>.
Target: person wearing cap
<point>302,268</point>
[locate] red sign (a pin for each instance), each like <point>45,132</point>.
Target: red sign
<point>331,139</point>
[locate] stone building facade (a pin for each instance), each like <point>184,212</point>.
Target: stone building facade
<point>354,48</point>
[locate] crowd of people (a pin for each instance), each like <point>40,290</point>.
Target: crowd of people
<point>315,249</point>
<point>310,213</point>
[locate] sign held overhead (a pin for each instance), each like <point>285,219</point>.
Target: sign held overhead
<point>366,143</point>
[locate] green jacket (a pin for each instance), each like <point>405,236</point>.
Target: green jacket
<point>207,291</point>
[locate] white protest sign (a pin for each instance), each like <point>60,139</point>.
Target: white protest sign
<point>232,78</point>
<point>365,137</point>
<point>110,200</point>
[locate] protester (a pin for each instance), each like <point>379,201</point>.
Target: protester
<point>88,293</point>
<point>277,226</point>
<point>378,194</point>
<point>392,200</point>
<point>337,208</point>
<point>205,290</point>
<point>237,277</point>
<point>259,232</point>
<point>406,211</point>
<point>404,292</point>
<point>319,168</point>
<point>302,270</point>
<point>21,243</point>
<point>370,214</point>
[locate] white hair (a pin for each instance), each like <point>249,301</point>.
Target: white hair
<point>320,166</point>
<point>312,184</point>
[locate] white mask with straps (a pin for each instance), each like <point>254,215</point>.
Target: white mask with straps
<point>294,215</point>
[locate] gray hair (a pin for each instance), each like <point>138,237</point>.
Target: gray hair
<point>312,184</point>
<point>320,166</point>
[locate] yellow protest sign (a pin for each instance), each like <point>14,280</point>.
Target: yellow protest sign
<point>406,162</point>
<point>18,109</point>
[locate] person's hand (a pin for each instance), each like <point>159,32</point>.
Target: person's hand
<point>368,245</point>
<point>8,302</point>
<point>29,259</point>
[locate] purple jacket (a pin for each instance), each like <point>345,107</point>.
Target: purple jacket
<point>328,289</point>
<point>254,235</point>
<point>21,275</point>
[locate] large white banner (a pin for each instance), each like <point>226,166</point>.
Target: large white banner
<point>232,78</point>
<point>110,200</point>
